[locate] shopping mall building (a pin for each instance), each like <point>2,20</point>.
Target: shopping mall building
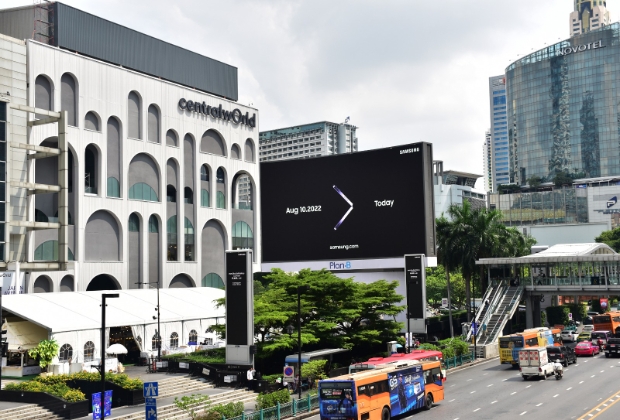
<point>161,168</point>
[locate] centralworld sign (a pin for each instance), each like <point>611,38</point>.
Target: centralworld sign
<point>236,116</point>
<point>580,48</point>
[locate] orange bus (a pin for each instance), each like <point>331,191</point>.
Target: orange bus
<point>377,362</point>
<point>509,345</point>
<point>381,393</point>
<point>607,322</point>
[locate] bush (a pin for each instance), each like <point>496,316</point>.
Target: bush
<point>58,389</point>
<point>213,356</point>
<point>272,399</point>
<point>557,315</point>
<point>272,378</point>
<point>230,410</point>
<point>74,395</point>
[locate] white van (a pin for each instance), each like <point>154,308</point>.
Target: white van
<point>534,361</point>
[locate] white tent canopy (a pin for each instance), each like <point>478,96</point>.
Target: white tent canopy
<point>75,318</point>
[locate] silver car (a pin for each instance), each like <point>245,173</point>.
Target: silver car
<point>569,336</point>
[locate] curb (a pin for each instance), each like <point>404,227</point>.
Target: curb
<point>472,364</point>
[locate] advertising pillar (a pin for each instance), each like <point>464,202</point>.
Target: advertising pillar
<point>239,307</point>
<point>415,281</point>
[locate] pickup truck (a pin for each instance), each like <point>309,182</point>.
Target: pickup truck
<point>534,361</point>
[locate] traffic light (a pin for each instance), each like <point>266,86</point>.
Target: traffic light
<point>4,342</point>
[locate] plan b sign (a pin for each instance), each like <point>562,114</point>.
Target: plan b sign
<point>580,48</point>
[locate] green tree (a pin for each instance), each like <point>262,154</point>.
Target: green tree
<point>611,238</point>
<point>45,351</point>
<point>562,178</point>
<point>534,181</point>
<point>436,288</point>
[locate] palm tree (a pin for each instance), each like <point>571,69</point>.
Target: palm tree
<point>446,257</point>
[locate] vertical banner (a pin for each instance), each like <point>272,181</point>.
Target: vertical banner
<point>96,401</point>
<point>239,306</point>
<point>415,282</point>
<point>107,404</point>
<point>604,302</point>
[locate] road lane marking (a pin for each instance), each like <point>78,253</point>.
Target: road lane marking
<point>472,392</point>
<point>602,371</point>
<point>539,404</point>
<point>555,395</point>
<point>476,409</point>
<point>504,380</point>
<point>513,393</point>
<point>596,411</point>
<point>569,388</point>
<point>493,402</point>
<point>523,413</point>
<point>581,382</point>
<point>489,385</point>
<point>468,380</point>
<point>585,361</point>
<point>592,376</point>
<point>485,374</point>
<point>528,386</point>
<point>452,400</point>
<point>451,386</point>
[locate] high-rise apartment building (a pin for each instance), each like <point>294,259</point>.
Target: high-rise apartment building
<point>309,140</point>
<point>487,164</point>
<point>589,15</point>
<point>498,133</point>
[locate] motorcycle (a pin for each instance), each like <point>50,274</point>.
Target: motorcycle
<point>558,370</point>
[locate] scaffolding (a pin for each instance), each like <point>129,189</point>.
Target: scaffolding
<point>43,27</point>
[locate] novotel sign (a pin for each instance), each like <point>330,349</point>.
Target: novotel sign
<point>581,48</point>
<point>236,116</point>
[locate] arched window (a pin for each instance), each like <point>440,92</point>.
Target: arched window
<point>48,251</point>
<point>204,173</point>
<point>174,341</point>
<point>172,139</point>
<point>188,195</point>
<point>42,284</point>
<point>219,176</point>
<point>39,216</point>
<point>249,150</point>
<point>142,191</point>
<point>89,351</point>
<point>213,143</point>
<point>205,199</point>
<point>90,170</point>
<point>43,94</point>
<point>66,353</point>
<point>114,187</point>
<point>213,280</point>
<point>153,225</point>
<point>242,236</point>
<point>189,240</point>
<point>113,157</point>
<point>155,342</point>
<point>134,114</point>
<point>91,121</point>
<point>68,98</point>
<point>235,152</point>
<point>171,230</point>
<point>134,223</point>
<point>193,338</point>
<point>153,134</point>
<point>67,284</point>
<point>221,200</point>
<point>171,194</point>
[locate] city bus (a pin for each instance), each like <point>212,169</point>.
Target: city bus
<point>607,322</point>
<point>375,362</point>
<point>548,337</point>
<point>381,393</point>
<point>509,345</point>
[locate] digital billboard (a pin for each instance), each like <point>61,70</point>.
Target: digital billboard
<point>364,205</point>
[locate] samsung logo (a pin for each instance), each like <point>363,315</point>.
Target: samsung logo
<point>236,116</point>
<point>580,48</point>
<point>415,149</point>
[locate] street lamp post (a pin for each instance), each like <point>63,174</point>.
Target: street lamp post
<point>158,320</point>
<point>104,296</point>
<point>300,290</point>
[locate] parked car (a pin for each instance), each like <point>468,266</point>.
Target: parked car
<point>584,336</point>
<point>568,335</point>
<point>564,354</point>
<point>613,347</point>
<point>587,328</point>
<point>600,338</point>
<point>586,348</point>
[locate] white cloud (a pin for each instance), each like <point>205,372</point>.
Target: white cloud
<point>404,71</point>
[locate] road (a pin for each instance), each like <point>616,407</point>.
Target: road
<point>493,391</point>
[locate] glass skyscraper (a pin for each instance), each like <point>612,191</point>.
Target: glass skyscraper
<point>563,109</point>
<point>499,165</point>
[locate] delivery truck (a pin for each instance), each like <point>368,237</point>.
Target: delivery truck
<point>534,361</point>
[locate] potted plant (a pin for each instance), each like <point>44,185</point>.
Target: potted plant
<point>45,352</point>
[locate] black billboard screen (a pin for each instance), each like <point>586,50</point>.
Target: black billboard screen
<point>372,204</point>
<point>416,285</point>
<point>236,299</point>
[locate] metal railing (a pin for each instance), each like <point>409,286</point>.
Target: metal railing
<point>293,408</point>
<point>505,315</point>
<point>455,361</point>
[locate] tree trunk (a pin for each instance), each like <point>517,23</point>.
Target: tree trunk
<point>449,301</point>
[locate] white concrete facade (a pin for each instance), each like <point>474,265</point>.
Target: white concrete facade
<point>103,89</point>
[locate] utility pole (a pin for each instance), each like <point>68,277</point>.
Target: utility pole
<point>104,296</point>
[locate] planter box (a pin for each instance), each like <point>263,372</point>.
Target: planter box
<point>59,407</point>
<point>120,397</point>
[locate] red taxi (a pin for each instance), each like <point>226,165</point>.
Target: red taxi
<point>586,348</point>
